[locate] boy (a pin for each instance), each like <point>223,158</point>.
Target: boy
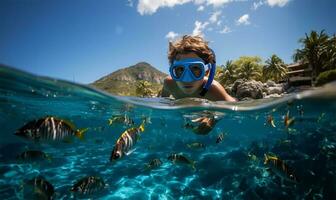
<point>188,58</point>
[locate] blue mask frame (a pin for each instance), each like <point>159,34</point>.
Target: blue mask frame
<point>187,75</point>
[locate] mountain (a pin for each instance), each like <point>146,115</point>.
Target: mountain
<point>124,81</point>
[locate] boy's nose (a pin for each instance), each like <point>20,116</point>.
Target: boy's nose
<point>187,77</point>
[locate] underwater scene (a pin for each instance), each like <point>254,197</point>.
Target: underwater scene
<point>61,140</point>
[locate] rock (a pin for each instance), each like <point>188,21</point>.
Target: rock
<point>273,96</point>
<point>292,89</point>
<point>252,89</point>
<point>246,99</point>
<point>235,85</point>
<point>270,83</point>
<point>275,90</point>
<point>228,89</point>
<point>285,86</point>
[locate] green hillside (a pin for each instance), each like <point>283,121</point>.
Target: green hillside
<point>124,81</point>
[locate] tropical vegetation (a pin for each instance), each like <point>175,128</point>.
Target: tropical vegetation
<point>326,77</point>
<point>318,52</point>
<point>274,69</point>
<point>249,67</point>
<point>143,89</point>
<point>226,74</point>
<point>245,67</point>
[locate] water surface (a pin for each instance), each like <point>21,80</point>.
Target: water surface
<point>232,169</point>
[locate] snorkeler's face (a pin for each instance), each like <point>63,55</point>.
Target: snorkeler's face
<point>188,87</point>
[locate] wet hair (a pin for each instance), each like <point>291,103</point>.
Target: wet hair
<point>191,44</point>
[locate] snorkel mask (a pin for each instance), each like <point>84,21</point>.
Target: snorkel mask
<point>193,69</point>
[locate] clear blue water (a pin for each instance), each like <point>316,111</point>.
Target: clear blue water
<point>232,169</point>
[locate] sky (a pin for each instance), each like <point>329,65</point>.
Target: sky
<point>83,40</point>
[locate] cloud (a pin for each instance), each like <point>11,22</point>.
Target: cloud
<point>199,27</point>
<point>213,20</point>
<point>280,3</point>
<point>243,20</point>
<point>225,30</point>
<point>199,2</point>
<point>200,8</point>
<point>271,3</point>
<point>149,7</point>
<point>256,5</point>
<point>214,17</point>
<point>218,3</point>
<point>171,35</point>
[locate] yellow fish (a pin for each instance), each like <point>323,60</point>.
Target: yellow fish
<point>124,145</point>
<point>280,168</point>
<point>270,121</point>
<point>288,121</point>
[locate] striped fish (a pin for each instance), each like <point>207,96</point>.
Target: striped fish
<point>31,156</point>
<point>125,143</point>
<point>180,158</point>
<point>280,168</point>
<point>220,138</point>
<point>88,185</point>
<point>49,129</point>
<point>38,188</point>
<point>120,119</point>
<point>196,145</point>
<point>153,164</point>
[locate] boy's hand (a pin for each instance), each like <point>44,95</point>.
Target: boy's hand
<point>205,125</point>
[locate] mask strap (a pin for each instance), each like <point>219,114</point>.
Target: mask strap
<point>211,76</point>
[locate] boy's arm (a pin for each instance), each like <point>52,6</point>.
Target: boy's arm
<point>165,93</point>
<point>219,94</point>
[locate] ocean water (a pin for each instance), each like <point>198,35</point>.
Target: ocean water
<point>231,169</point>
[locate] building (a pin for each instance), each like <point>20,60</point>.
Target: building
<point>299,74</point>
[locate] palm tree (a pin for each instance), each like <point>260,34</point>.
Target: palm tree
<point>231,71</point>
<point>314,51</point>
<point>249,71</point>
<point>331,53</point>
<point>219,73</point>
<point>275,69</point>
<point>227,74</point>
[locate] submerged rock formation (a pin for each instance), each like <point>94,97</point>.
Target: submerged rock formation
<point>251,89</point>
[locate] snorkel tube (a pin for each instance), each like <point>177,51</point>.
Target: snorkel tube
<point>211,75</point>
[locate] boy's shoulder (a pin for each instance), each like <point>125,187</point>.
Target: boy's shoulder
<point>169,85</point>
<point>218,93</point>
<point>215,85</point>
<point>169,82</point>
<point>168,79</point>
